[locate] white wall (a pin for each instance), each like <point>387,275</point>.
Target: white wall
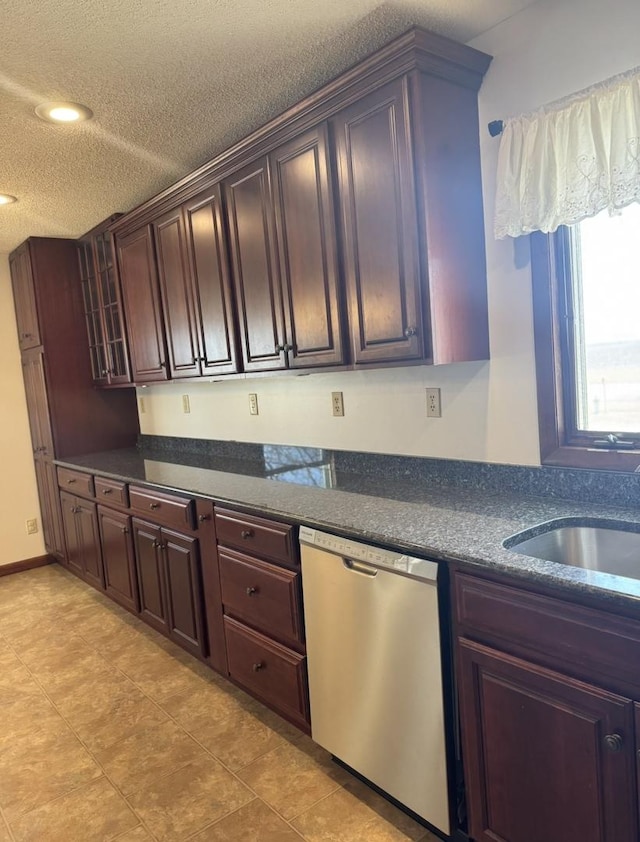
<point>18,493</point>
<point>549,50</point>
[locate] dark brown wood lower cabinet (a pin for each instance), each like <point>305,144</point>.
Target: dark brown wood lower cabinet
<point>50,508</point>
<point>547,758</point>
<point>82,538</point>
<point>118,557</point>
<point>168,565</point>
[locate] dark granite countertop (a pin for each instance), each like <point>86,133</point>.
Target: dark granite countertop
<point>385,506</point>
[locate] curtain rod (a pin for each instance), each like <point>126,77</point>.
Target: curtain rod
<point>496,127</point>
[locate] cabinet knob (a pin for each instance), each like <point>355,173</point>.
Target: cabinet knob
<point>280,348</point>
<point>157,545</point>
<point>251,591</point>
<point>202,518</point>
<point>257,667</point>
<point>125,530</point>
<point>409,332</point>
<point>613,742</point>
<point>162,364</point>
<point>286,347</point>
<point>104,372</point>
<point>247,533</point>
<point>107,490</point>
<point>154,505</point>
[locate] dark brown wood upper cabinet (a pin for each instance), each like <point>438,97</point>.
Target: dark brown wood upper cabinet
<point>25,299</point>
<point>255,267</point>
<point>209,262</point>
<point>176,289</point>
<point>305,225</point>
<point>141,296</point>
<point>375,166</point>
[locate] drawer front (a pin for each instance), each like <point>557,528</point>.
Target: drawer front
<point>579,640</point>
<point>111,492</point>
<point>268,538</point>
<point>176,512</point>
<point>76,482</point>
<point>275,674</point>
<point>262,595</point>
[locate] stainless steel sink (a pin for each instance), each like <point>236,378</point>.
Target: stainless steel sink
<point>607,546</point>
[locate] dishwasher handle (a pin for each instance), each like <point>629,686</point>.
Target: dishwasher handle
<point>359,567</point>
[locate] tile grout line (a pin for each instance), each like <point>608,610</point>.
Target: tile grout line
<point>7,825</point>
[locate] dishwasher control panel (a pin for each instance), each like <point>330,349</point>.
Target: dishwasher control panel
<point>389,559</point>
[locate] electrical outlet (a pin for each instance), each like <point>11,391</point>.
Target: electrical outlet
<point>186,406</point>
<point>253,404</point>
<point>142,406</point>
<point>32,526</point>
<point>337,404</point>
<point>434,410</point>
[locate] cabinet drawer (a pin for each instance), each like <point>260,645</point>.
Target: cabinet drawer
<point>162,508</point>
<point>274,673</point>
<point>257,535</point>
<point>111,491</point>
<point>580,641</point>
<point>77,482</point>
<point>262,595</point>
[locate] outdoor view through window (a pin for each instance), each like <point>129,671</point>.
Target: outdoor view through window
<point>606,305</point>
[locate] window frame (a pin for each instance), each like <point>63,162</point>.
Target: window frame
<point>561,444</point>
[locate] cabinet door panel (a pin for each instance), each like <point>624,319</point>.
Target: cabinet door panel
<point>307,249</point>
<point>37,403</point>
<point>93,314</point>
<point>118,557</point>
<point>184,590</point>
<point>25,300</point>
<point>74,556</point>
<point>153,608</point>
<point>377,197</point>
<point>209,269</point>
<point>255,268</point>
<point>142,306</point>
<point>89,542</point>
<point>537,763</point>
<point>50,507</point>
<point>177,295</point>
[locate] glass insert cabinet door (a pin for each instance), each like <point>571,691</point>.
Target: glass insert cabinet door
<point>105,330</point>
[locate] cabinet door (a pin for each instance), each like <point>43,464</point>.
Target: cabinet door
<point>307,249</point>
<point>25,299</point>
<point>50,507</point>
<point>184,590</point>
<point>209,262</point>
<point>141,299</point>
<point>74,554</point>
<point>37,403</point>
<point>378,204</point>
<point>118,557</point>
<point>546,757</point>
<point>255,268</point>
<point>147,543</point>
<point>114,335</point>
<point>93,314</point>
<point>89,542</point>
<point>176,289</point>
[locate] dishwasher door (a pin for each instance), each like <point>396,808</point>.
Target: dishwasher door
<point>375,676</point>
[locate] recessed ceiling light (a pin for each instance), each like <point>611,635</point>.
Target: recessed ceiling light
<point>63,112</point>
<point>7,199</point>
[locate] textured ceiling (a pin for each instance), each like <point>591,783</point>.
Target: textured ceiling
<point>171,84</point>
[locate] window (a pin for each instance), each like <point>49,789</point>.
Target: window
<point>587,324</point>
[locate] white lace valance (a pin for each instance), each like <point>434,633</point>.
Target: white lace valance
<point>570,160</point>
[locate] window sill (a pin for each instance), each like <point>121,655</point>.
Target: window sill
<point>594,458</point>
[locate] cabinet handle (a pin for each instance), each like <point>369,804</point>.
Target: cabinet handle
<point>104,372</point>
<point>125,530</point>
<point>157,545</point>
<point>75,509</point>
<point>202,518</point>
<point>107,490</point>
<point>247,533</point>
<point>257,667</point>
<point>71,481</point>
<point>409,332</point>
<point>613,742</point>
<point>27,335</point>
<point>154,505</point>
<point>251,591</point>
<point>162,364</point>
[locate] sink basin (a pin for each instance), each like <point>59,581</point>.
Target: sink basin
<point>608,546</point>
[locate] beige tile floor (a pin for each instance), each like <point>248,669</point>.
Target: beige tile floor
<point>110,732</point>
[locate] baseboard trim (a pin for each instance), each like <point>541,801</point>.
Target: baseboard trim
<point>25,564</point>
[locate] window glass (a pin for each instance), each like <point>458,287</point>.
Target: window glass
<point>606,322</point>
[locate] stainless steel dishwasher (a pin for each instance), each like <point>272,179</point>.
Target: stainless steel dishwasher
<point>375,671</point>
